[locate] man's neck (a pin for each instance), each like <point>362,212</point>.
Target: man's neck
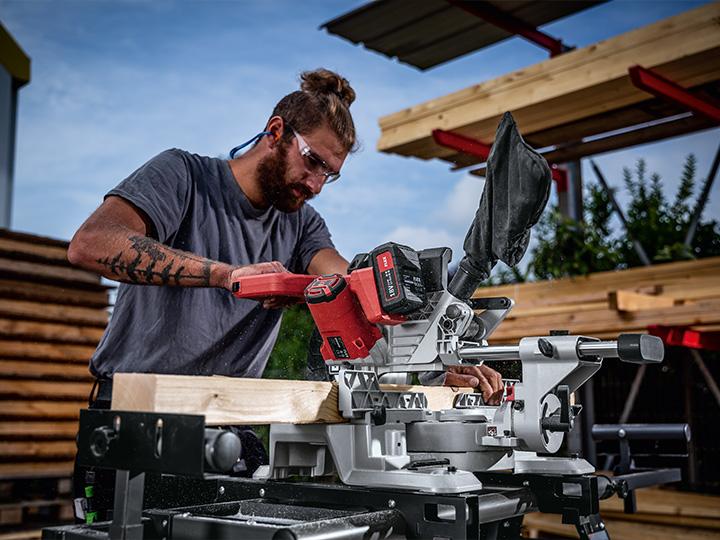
<point>244,169</point>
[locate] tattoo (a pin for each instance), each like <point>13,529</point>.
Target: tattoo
<point>149,255</point>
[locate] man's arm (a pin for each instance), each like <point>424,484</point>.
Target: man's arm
<point>114,242</point>
<point>327,261</point>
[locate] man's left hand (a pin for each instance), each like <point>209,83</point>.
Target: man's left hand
<point>486,379</point>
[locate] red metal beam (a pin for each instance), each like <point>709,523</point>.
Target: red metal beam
<point>461,143</point>
<point>680,336</point>
<point>501,19</point>
<point>468,145</point>
<point>659,86</point>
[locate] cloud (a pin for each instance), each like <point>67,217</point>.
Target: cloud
<point>419,237</point>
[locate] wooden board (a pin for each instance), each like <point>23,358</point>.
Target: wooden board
<point>624,300</point>
<point>566,89</point>
<point>38,430</point>
<point>44,370</point>
<point>29,389</point>
<point>42,311</point>
<point>47,273</point>
<point>46,351</point>
<point>231,400</point>
<point>39,408</point>
<point>33,469</point>
<point>539,525</point>
<point>41,331</point>
<point>54,294</point>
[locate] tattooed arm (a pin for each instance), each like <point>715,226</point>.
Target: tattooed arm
<point>114,242</point>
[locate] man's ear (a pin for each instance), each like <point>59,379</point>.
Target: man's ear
<point>276,126</point>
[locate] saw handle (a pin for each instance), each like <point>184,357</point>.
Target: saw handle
<point>268,285</point>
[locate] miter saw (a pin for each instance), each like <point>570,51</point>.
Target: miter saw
<point>405,470</point>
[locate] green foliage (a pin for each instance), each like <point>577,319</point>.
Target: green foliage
<point>567,248</point>
<point>289,357</point>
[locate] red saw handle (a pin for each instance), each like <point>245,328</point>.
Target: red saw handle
<point>275,284</point>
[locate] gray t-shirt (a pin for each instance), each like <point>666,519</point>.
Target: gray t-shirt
<point>195,205</point>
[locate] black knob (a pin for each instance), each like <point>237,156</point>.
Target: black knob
<point>100,440</point>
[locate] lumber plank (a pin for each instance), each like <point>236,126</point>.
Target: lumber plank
<point>19,249</point>
<point>232,400</point>
<point>44,370</point>
<point>29,389</point>
<point>46,351</point>
<point>606,321</point>
<point>40,408</point>
<point>25,429</point>
<point>25,469</point>
<point>38,449</point>
<point>29,270</point>
<point>617,529</point>
<point>40,331</point>
<point>42,311</point>
<point>623,300</point>
<point>54,294</point>
<point>33,238</point>
<point>670,503</point>
<point>567,88</point>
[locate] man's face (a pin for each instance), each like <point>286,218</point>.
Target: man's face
<point>288,178</point>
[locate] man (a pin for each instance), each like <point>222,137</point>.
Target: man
<point>194,225</point>
<point>182,228</point>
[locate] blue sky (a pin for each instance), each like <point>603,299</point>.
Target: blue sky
<point>114,83</point>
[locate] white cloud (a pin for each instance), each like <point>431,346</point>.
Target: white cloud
<point>419,237</point>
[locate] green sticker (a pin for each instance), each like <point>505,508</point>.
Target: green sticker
<point>90,517</point>
<point>89,491</point>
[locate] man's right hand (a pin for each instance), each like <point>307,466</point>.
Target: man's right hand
<point>271,302</point>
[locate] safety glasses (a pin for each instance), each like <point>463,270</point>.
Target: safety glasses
<point>315,164</point>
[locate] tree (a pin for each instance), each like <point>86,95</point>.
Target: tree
<point>567,248</point>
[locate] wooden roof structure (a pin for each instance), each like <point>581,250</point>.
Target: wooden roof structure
<point>579,103</point>
<point>432,32</point>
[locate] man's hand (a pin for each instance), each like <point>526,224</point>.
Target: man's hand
<point>239,272</point>
<point>486,379</point>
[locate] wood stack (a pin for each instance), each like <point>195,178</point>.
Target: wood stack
<point>51,318</point>
<point>662,515</point>
<point>605,304</point>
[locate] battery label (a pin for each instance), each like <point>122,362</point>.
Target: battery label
<point>338,347</point>
<point>386,267</point>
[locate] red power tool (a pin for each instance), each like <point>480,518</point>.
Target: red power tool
<point>381,288</point>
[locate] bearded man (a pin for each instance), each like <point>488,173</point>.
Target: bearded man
<point>196,224</point>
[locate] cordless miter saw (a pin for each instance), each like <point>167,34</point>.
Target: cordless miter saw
<point>406,470</point>
<point>394,313</point>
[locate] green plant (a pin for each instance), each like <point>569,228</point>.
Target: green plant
<point>567,248</point>
<point>289,356</point>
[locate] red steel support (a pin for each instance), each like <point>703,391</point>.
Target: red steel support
<point>659,86</point>
<point>468,145</point>
<point>507,22</point>
<point>681,336</point>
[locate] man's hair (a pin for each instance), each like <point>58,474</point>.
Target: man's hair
<point>324,98</point>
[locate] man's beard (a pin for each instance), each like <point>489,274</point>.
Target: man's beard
<point>272,172</point>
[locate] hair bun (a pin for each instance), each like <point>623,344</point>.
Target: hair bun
<point>324,81</point>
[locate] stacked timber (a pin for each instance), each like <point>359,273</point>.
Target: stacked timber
<point>605,304</point>
<point>51,318</point>
<point>661,515</point>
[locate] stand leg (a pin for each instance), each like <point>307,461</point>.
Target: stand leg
<point>127,512</point>
<point>592,528</point>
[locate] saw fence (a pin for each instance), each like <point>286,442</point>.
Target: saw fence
<point>51,318</point>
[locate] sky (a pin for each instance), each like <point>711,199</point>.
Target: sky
<point>115,83</point>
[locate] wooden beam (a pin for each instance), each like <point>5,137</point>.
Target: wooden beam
<point>25,469</point>
<point>231,400</point>
<point>29,389</point>
<point>53,274</point>
<point>41,311</point>
<point>65,294</point>
<point>40,430</point>
<point>576,85</point>
<point>40,408</point>
<point>40,331</point>
<point>633,301</point>
<point>44,370</point>
<point>38,449</point>
<point>46,351</point>
<point>18,249</point>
